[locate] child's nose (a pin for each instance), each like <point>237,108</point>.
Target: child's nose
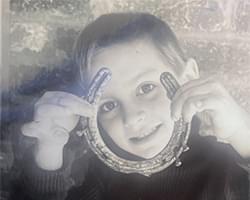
<point>134,119</point>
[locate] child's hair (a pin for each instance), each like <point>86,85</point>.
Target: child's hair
<point>123,27</point>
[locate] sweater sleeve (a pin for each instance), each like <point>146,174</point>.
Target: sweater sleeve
<point>32,182</point>
<point>37,183</point>
<point>246,166</point>
<point>244,163</point>
<point>29,181</point>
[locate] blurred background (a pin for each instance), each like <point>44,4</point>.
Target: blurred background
<point>215,32</point>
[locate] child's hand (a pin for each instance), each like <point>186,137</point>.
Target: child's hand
<point>231,123</point>
<point>55,115</point>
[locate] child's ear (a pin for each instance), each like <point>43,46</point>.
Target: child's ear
<point>190,71</point>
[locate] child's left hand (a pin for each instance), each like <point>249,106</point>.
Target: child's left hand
<point>231,123</point>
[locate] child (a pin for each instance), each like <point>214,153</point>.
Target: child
<point>138,118</point>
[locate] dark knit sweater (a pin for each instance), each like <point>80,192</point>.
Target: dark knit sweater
<point>209,172</point>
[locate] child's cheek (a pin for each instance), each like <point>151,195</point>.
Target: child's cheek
<point>111,119</point>
<point>113,127</point>
<point>160,103</point>
<point>157,98</point>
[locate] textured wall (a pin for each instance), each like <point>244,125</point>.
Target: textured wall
<point>215,32</point>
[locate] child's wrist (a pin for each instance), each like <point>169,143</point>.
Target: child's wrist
<point>240,141</point>
<point>49,157</point>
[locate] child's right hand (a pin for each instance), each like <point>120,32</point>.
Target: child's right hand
<point>55,115</point>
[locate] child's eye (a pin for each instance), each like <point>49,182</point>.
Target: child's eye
<point>145,88</point>
<point>108,106</point>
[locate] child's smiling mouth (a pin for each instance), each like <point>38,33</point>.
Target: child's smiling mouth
<point>145,136</point>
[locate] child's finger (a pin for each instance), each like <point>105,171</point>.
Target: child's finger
<point>72,103</point>
<point>193,84</point>
<point>51,111</point>
<point>202,89</point>
<point>53,96</point>
<point>29,129</point>
<point>81,108</point>
<point>61,134</point>
<point>197,104</point>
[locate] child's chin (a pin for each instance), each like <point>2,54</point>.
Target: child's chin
<point>151,153</point>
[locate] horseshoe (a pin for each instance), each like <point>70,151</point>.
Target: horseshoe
<point>169,83</point>
<point>97,85</point>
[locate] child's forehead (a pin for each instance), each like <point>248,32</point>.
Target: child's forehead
<point>131,64</point>
<point>135,46</point>
<point>128,58</point>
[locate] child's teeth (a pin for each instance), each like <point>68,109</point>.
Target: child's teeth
<point>147,133</point>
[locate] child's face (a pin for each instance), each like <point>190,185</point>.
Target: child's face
<point>134,109</point>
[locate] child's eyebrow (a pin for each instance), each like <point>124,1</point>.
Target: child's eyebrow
<point>138,76</point>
